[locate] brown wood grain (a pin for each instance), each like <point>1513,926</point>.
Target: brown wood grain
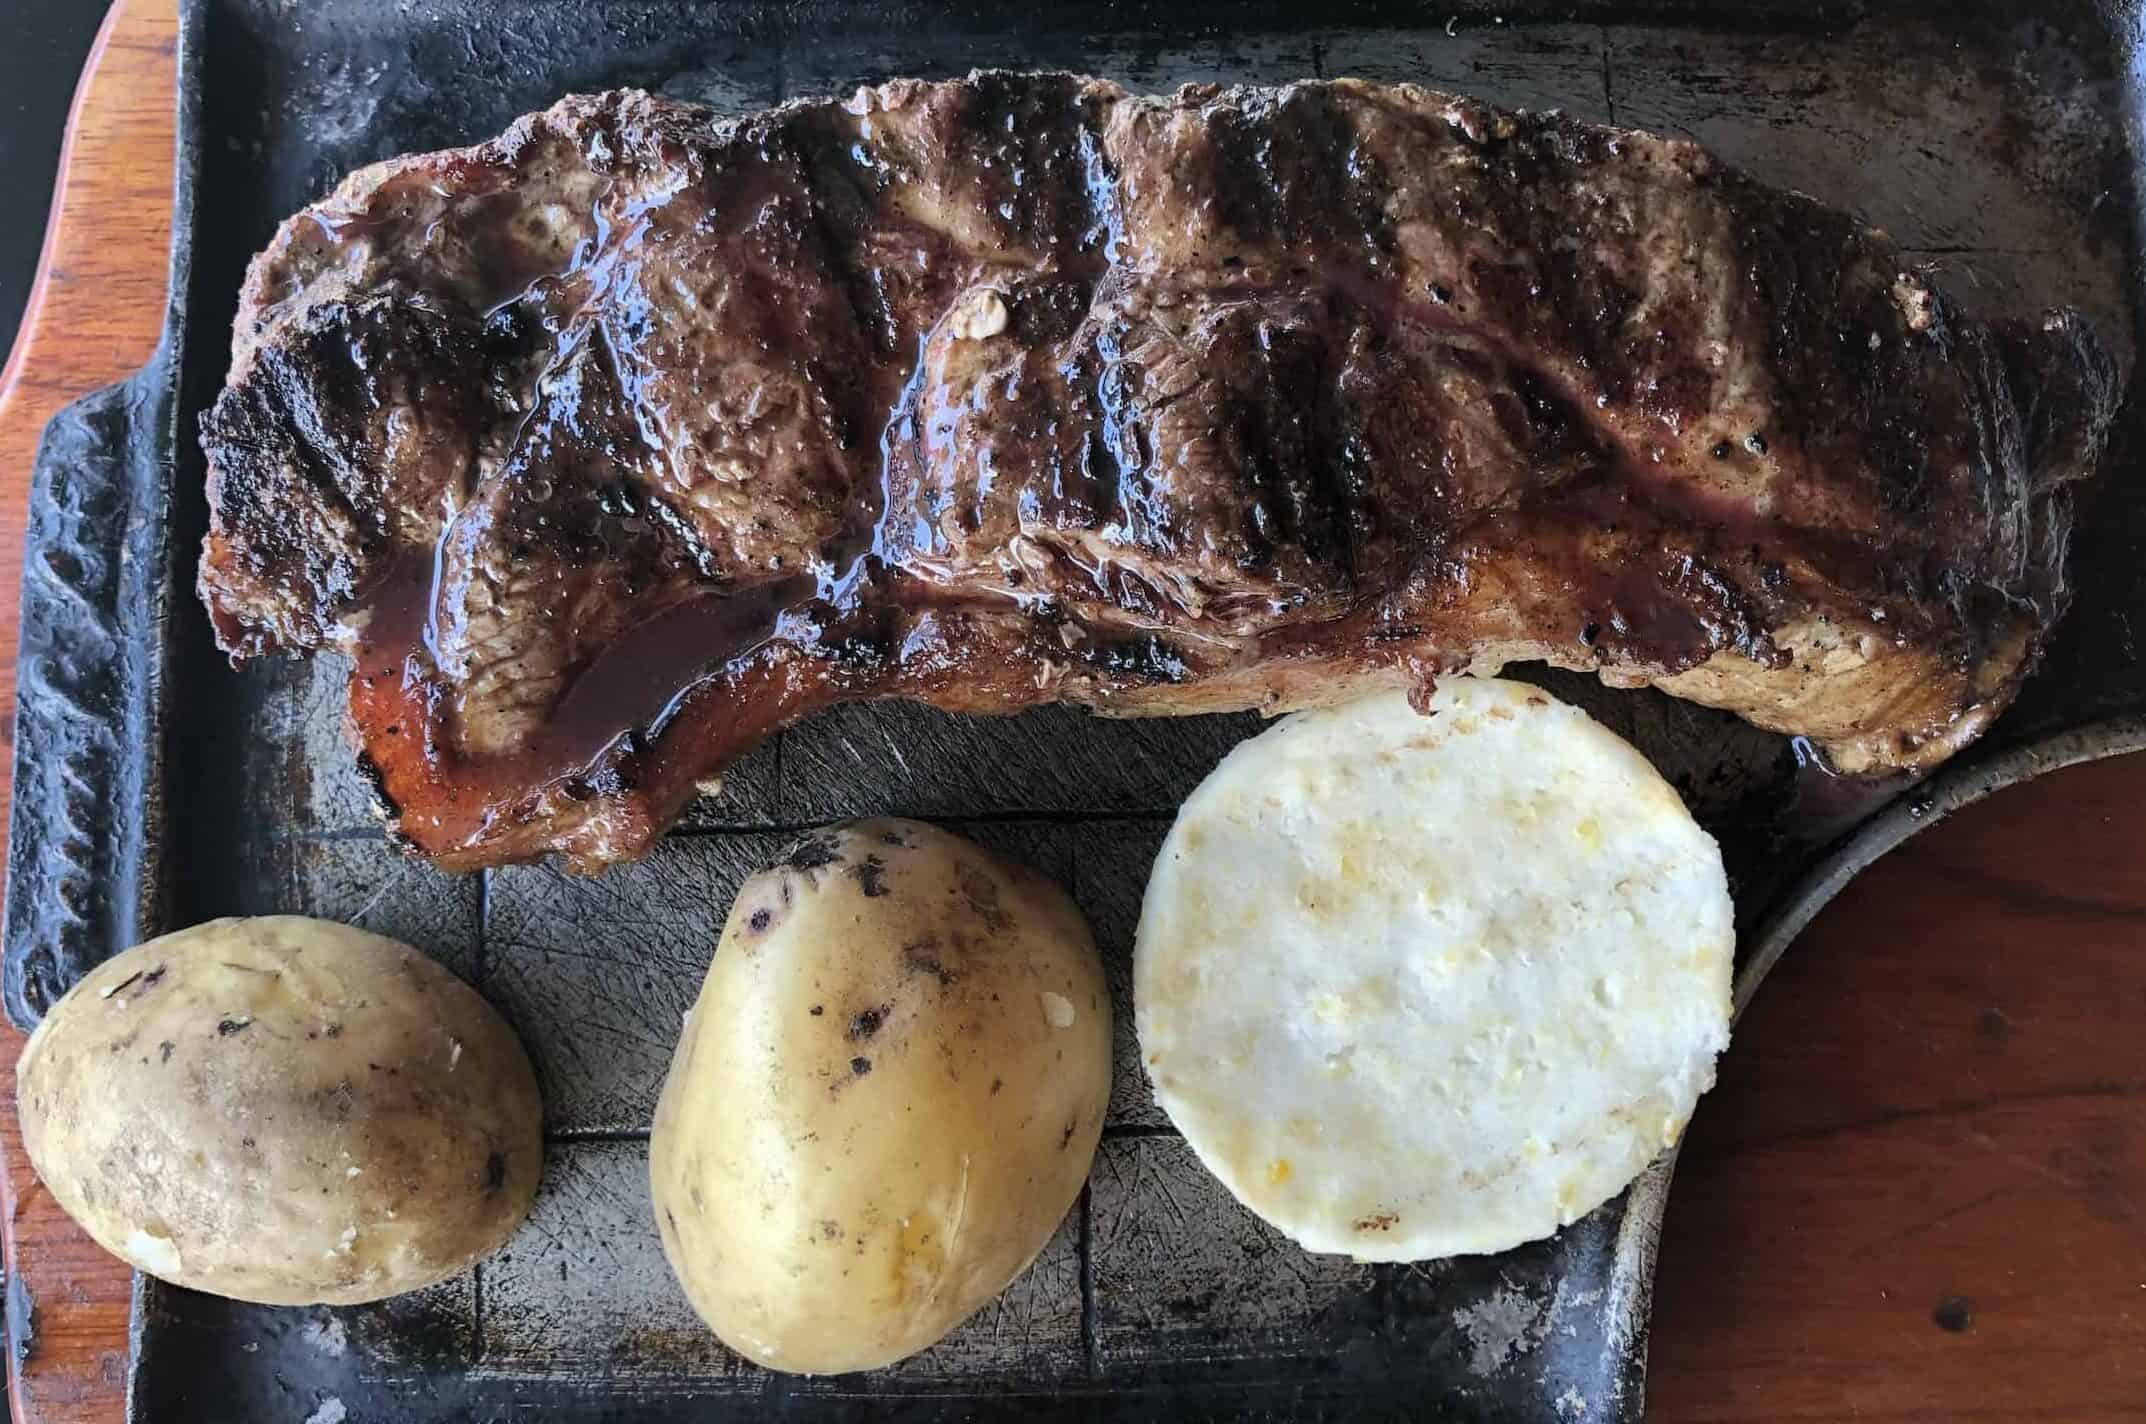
<point>1919,1192</point>
<point>93,317</point>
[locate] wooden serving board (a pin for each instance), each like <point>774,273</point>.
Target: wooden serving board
<point>92,317</point>
<point>1919,1192</point>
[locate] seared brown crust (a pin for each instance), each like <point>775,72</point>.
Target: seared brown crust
<point>614,444</point>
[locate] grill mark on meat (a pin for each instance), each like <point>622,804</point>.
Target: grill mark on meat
<point>1019,388</point>
<point>1282,433</point>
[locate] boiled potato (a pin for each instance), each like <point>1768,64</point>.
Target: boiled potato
<point>885,1100</point>
<point>283,1110</point>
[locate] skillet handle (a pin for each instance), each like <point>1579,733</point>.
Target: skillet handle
<point>96,593</point>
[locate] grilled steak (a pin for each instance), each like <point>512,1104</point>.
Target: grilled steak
<point>612,445</point>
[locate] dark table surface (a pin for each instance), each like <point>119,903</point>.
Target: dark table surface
<point>46,44</point>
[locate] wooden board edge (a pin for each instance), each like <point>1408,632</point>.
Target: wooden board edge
<point>93,316</point>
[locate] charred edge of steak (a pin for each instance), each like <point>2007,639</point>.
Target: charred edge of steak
<point>1017,388</point>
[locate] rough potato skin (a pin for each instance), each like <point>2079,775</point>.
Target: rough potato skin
<point>283,1110</point>
<point>885,1100</point>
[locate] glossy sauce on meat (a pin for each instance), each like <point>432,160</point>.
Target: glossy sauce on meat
<point>613,445</point>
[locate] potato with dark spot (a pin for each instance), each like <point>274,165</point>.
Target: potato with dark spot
<point>885,1100</point>
<point>283,1110</point>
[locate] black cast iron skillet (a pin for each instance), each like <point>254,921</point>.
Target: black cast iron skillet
<point>155,787</point>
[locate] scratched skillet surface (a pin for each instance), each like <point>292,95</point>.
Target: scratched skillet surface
<point>1158,1288</point>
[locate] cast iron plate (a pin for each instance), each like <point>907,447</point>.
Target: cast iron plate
<point>155,787</point>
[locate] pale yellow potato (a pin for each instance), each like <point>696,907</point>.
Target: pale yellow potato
<point>283,1110</point>
<point>885,1100</point>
